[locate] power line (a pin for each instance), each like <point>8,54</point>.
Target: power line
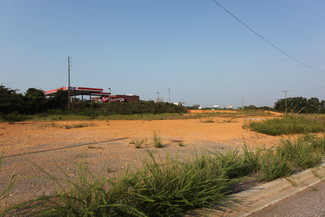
<point>264,39</point>
<point>69,97</point>
<point>315,90</point>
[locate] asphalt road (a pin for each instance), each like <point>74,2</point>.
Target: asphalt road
<point>308,203</point>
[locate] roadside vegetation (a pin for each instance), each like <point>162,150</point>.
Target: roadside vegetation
<point>170,187</point>
<point>290,124</point>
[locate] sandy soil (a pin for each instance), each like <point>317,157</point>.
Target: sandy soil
<point>105,146</point>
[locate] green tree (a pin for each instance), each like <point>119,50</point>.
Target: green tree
<point>35,101</point>
<point>295,104</point>
<point>322,106</point>
<point>313,105</point>
<point>10,100</point>
<point>59,100</point>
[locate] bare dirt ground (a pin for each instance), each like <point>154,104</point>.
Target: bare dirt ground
<point>105,146</point>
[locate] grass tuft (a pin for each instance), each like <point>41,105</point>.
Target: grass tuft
<point>157,140</point>
<point>138,142</point>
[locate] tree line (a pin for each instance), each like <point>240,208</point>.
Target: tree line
<point>300,105</point>
<point>32,102</point>
<point>35,102</point>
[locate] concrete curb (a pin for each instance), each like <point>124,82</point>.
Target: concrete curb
<point>257,198</point>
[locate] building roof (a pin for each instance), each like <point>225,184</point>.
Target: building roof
<point>76,91</point>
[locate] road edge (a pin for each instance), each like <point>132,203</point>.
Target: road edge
<point>250,201</point>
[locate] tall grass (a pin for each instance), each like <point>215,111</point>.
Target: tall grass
<point>86,195</point>
<point>172,187</point>
<point>318,143</point>
<point>272,166</point>
<point>287,125</point>
<point>301,153</point>
<point>289,157</point>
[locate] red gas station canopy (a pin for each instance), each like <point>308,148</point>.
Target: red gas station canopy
<point>77,91</point>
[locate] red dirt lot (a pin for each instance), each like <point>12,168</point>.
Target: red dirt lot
<point>105,147</point>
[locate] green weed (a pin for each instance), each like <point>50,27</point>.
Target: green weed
<point>169,188</point>
<point>157,140</point>
<point>300,153</point>
<point>138,142</point>
<point>272,166</point>
<point>85,195</point>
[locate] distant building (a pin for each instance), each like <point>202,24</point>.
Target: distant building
<point>121,98</point>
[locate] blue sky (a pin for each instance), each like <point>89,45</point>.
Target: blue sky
<point>143,47</point>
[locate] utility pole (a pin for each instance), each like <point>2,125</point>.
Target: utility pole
<point>242,103</point>
<point>158,100</point>
<point>168,94</point>
<point>69,97</point>
<point>285,100</point>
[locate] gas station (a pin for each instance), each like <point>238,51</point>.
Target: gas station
<point>80,91</point>
<point>94,94</point>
